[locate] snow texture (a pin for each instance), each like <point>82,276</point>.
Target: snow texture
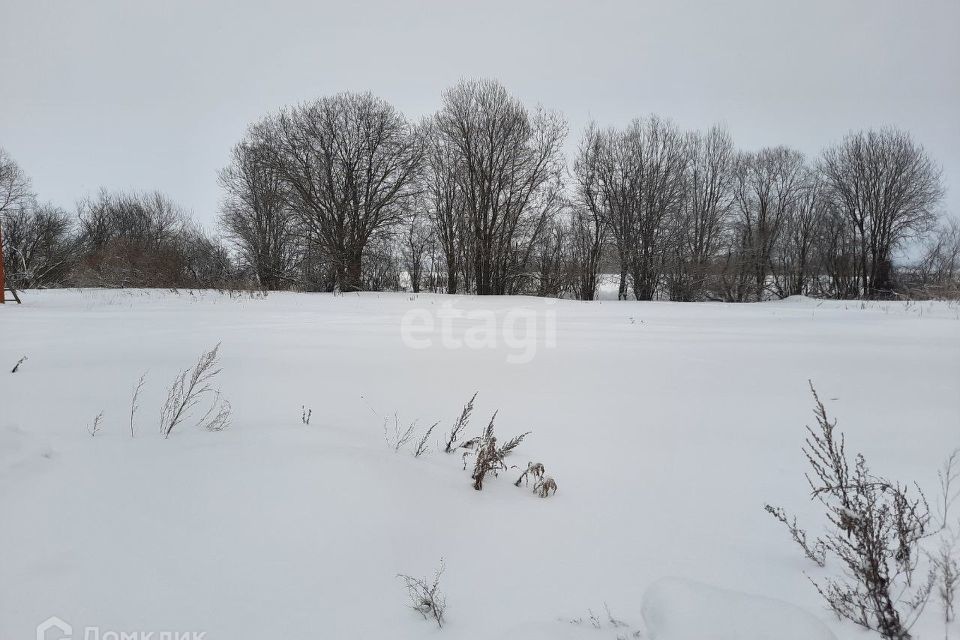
<point>678,609</point>
<point>666,426</point>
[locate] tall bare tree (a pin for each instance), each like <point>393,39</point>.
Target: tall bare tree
<point>766,186</point>
<point>887,188</point>
<point>794,260</point>
<point>702,219</point>
<point>14,194</point>
<point>445,204</point>
<point>348,163</point>
<point>15,188</point>
<point>633,179</point>
<point>509,170</point>
<point>40,246</point>
<point>256,218</point>
<point>416,246</point>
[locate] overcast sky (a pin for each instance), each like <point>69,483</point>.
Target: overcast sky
<point>132,94</point>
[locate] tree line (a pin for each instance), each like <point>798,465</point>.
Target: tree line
<point>346,193</point>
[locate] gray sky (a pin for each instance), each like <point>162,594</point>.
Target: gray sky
<point>152,94</point>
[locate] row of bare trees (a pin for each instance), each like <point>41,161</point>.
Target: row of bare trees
<point>346,193</point>
<point>113,240</point>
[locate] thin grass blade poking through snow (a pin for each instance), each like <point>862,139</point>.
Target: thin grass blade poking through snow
<point>423,442</point>
<point>188,389</point>
<point>456,432</point>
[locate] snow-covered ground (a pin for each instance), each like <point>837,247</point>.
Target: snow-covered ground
<point>666,426</point>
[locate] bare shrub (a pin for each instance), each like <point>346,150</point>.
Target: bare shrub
<point>94,428</point>
<point>305,415</point>
<point>425,597</point>
<point>459,426</point>
<point>16,367</point>
<point>188,389</point>
<point>875,527</point>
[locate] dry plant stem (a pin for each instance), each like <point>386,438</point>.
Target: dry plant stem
<point>422,445</point>
<point>17,366</point>
<point>459,426</point>
<point>134,403</point>
<point>188,389</point>
<point>94,429</point>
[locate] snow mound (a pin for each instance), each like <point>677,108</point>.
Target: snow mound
<point>677,609</point>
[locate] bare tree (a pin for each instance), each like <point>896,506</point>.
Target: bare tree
<point>445,205</point>
<point>766,187</point>
<point>15,188</point>
<point>588,217</point>
<point>508,167</point>
<point>836,255</point>
<point>40,245</point>
<point>348,164</point>
<point>702,220</point>
<point>256,218</point>
<point>417,240</point>
<point>14,193</point>
<point>937,271</point>
<point>887,188</point>
<point>551,260</point>
<point>794,256</point>
<point>633,179</point>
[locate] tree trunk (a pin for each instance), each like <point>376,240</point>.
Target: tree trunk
<point>352,272</point>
